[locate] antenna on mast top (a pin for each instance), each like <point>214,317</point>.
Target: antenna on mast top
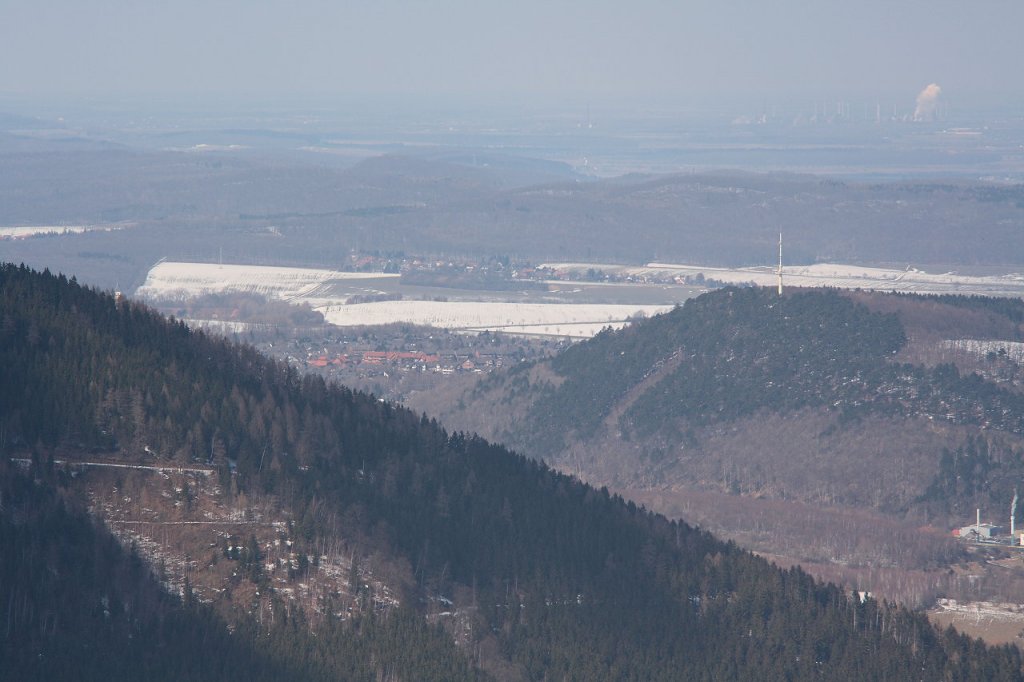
<point>780,264</point>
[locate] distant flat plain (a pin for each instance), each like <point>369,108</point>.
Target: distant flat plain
<point>569,308</point>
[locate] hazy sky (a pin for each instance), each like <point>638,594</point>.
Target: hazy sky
<point>679,50</point>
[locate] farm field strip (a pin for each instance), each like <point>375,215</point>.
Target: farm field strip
<point>327,291</point>
<point>527,318</point>
<point>820,274</point>
<point>26,231</point>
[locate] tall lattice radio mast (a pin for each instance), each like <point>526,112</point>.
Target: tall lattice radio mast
<point>779,271</point>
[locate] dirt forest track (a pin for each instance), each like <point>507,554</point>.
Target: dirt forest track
<point>202,471</point>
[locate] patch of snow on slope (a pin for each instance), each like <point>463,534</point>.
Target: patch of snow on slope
<point>178,281</point>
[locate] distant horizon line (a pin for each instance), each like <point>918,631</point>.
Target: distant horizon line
<point>514,99</point>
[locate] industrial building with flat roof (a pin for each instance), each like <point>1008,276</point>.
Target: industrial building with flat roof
<point>981,531</point>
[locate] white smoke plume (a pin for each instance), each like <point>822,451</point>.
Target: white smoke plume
<point>927,101</point>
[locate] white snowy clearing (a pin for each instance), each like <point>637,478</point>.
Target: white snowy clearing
<point>579,320</point>
<point>223,327</point>
<point>25,231</point>
<point>178,281</point>
<point>328,290</point>
<point>982,609</point>
<point>172,281</point>
<point>822,275</point>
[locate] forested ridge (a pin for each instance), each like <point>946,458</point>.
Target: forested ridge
<point>745,350</point>
<point>566,581</point>
<point>539,211</point>
<point>685,397</point>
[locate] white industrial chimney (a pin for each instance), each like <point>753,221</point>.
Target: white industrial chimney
<point>1013,512</point>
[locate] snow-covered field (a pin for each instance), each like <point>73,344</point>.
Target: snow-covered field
<point>178,281</point>
<point>555,319</point>
<point>171,281</point>
<point>983,609</point>
<point>823,275</point>
<point>25,231</point>
<point>223,326</point>
<point>328,292</point>
<point>995,622</point>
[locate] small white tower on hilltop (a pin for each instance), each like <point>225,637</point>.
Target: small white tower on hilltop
<point>780,264</point>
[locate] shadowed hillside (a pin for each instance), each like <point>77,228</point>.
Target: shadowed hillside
<point>542,576</point>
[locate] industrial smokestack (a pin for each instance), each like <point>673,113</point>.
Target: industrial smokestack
<point>979,516</point>
<point>927,102</point>
<point>1013,512</point>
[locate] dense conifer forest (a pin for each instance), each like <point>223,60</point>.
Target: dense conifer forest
<point>655,403</point>
<point>744,350</point>
<point>565,580</point>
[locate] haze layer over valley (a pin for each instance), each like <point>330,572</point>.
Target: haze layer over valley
<point>519,189</point>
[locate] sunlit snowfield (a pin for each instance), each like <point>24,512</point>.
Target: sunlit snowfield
<point>26,231</point>
<point>575,309</point>
<point>553,319</point>
<point>329,291</point>
<point>823,275</point>
<point>179,281</point>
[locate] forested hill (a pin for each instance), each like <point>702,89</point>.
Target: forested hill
<point>730,355</point>
<point>812,396</point>
<point>552,578</point>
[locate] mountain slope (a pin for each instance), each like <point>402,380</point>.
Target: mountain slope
<point>844,432</point>
<point>684,397</point>
<point>78,606</point>
<point>545,577</point>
